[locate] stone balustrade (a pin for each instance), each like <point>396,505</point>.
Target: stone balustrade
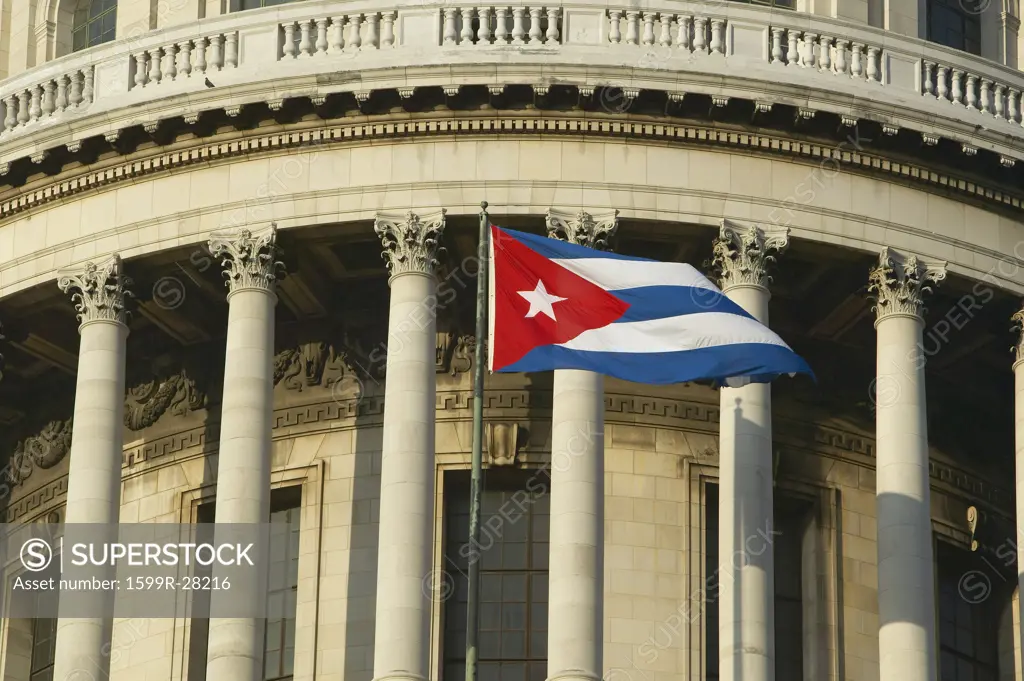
<point>716,50</point>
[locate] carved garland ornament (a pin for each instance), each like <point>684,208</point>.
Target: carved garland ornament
<point>583,229</point>
<point>898,285</point>
<point>742,256</point>
<point>249,259</point>
<point>98,291</point>
<point>147,402</point>
<point>44,451</point>
<point>411,243</point>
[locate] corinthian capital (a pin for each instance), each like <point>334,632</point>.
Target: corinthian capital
<point>411,243</point>
<point>898,283</point>
<point>582,228</point>
<point>742,254</point>
<point>249,258</point>
<point>98,290</point>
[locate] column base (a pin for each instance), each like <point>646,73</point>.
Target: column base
<point>574,675</point>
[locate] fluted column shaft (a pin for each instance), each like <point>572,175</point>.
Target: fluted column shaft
<point>402,625</point>
<point>94,469</point>
<point>576,563</point>
<point>906,598</point>
<point>235,649</point>
<point>746,571</point>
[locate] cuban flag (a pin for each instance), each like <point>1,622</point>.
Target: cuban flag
<point>557,305</point>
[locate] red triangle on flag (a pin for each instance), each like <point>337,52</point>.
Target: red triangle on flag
<point>538,302</point>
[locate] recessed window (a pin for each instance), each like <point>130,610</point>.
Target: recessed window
<point>44,641</point>
<point>513,604</point>
<point>242,5</point>
<point>784,4</point>
<point>968,648</point>
<point>956,23</point>
<point>95,23</point>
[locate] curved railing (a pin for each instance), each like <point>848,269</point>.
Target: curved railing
<point>320,46</point>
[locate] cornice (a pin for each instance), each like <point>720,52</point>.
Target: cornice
<point>224,147</point>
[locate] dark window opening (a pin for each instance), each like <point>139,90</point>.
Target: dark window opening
<point>968,648</point>
<point>95,23</point>
<point>956,24</point>
<point>44,640</point>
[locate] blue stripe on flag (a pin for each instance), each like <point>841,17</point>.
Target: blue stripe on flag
<point>762,362</point>
<point>656,302</point>
<point>554,248</point>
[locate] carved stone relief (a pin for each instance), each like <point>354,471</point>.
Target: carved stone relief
<point>501,443</point>
<point>148,401</point>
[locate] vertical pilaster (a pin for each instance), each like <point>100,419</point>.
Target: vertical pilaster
<point>906,596</point>
<point>402,638</point>
<point>576,564</point>
<point>94,471</point>
<point>235,650</point>
<point>1018,423</point>
<point>746,576</point>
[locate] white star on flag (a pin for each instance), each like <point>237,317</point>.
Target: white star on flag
<point>541,301</point>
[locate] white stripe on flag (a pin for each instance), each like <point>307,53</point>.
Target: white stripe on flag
<point>613,274</point>
<point>673,334</point>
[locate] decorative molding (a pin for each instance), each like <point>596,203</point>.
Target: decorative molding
<point>742,255</point>
<point>897,284</point>
<point>98,290</point>
<point>930,140</point>
<point>454,352</point>
<point>501,443</point>
<point>44,450</point>
<point>410,243</point>
<point>249,259</point>
<point>319,364</point>
<point>582,228</point>
<point>36,500</point>
<point>148,401</point>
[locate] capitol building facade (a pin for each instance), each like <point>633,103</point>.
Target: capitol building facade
<point>238,268</point>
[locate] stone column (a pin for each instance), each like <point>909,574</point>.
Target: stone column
<point>746,573</point>
<point>906,588</point>
<point>1018,422</point>
<point>235,650</point>
<point>576,563</point>
<point>402,639</point>
<point>97,442</point>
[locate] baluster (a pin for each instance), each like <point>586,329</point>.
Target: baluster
<point>1000,98</point>
<point>536,35</point>
<point>648,34</point>
<point>807,52</point>
<point>185,59</point>
<point>518,30</point>
<point>141,69</point>
<point>372,39</point>
<point>337,34</point>
<point>665,35</point>
<point>825,55</point>
<point>841,63</point>
<point>170,57</point>
<point>155,67</point>
<point>776,56</point>
<point>35,107</point>
<point>501,25</point>
<point>305,38</point>
<point>467,26</point>
<point>290,51</point>
<point>873,73</point>
<point>76,88</point>
<point>87,88</point>
<point>929,84</point>
<point>985,103</point>
<point>552,35</point>
<point>632,28</point>
<point>958,89</point>
<point>216,52</point>
<point>700,40</point>
<point>387,38</point>
<point>230,50</point>
<point>792,47</point>
<point>355,40</point>
<point>1013,110</point>
<point>200,65</point>
<point>972,92</point>
<point>717,36</point>
<point>62,92</point>
<point>450,34</point>
<point>23,107</point>
<point>321,37</point>
<point>941,87</point>
<point>483,33</point>
<point>11,120</point>
<point>47,105</point>
<point>614,33</point>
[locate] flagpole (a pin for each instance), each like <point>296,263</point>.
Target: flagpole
<point>476,480</point>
